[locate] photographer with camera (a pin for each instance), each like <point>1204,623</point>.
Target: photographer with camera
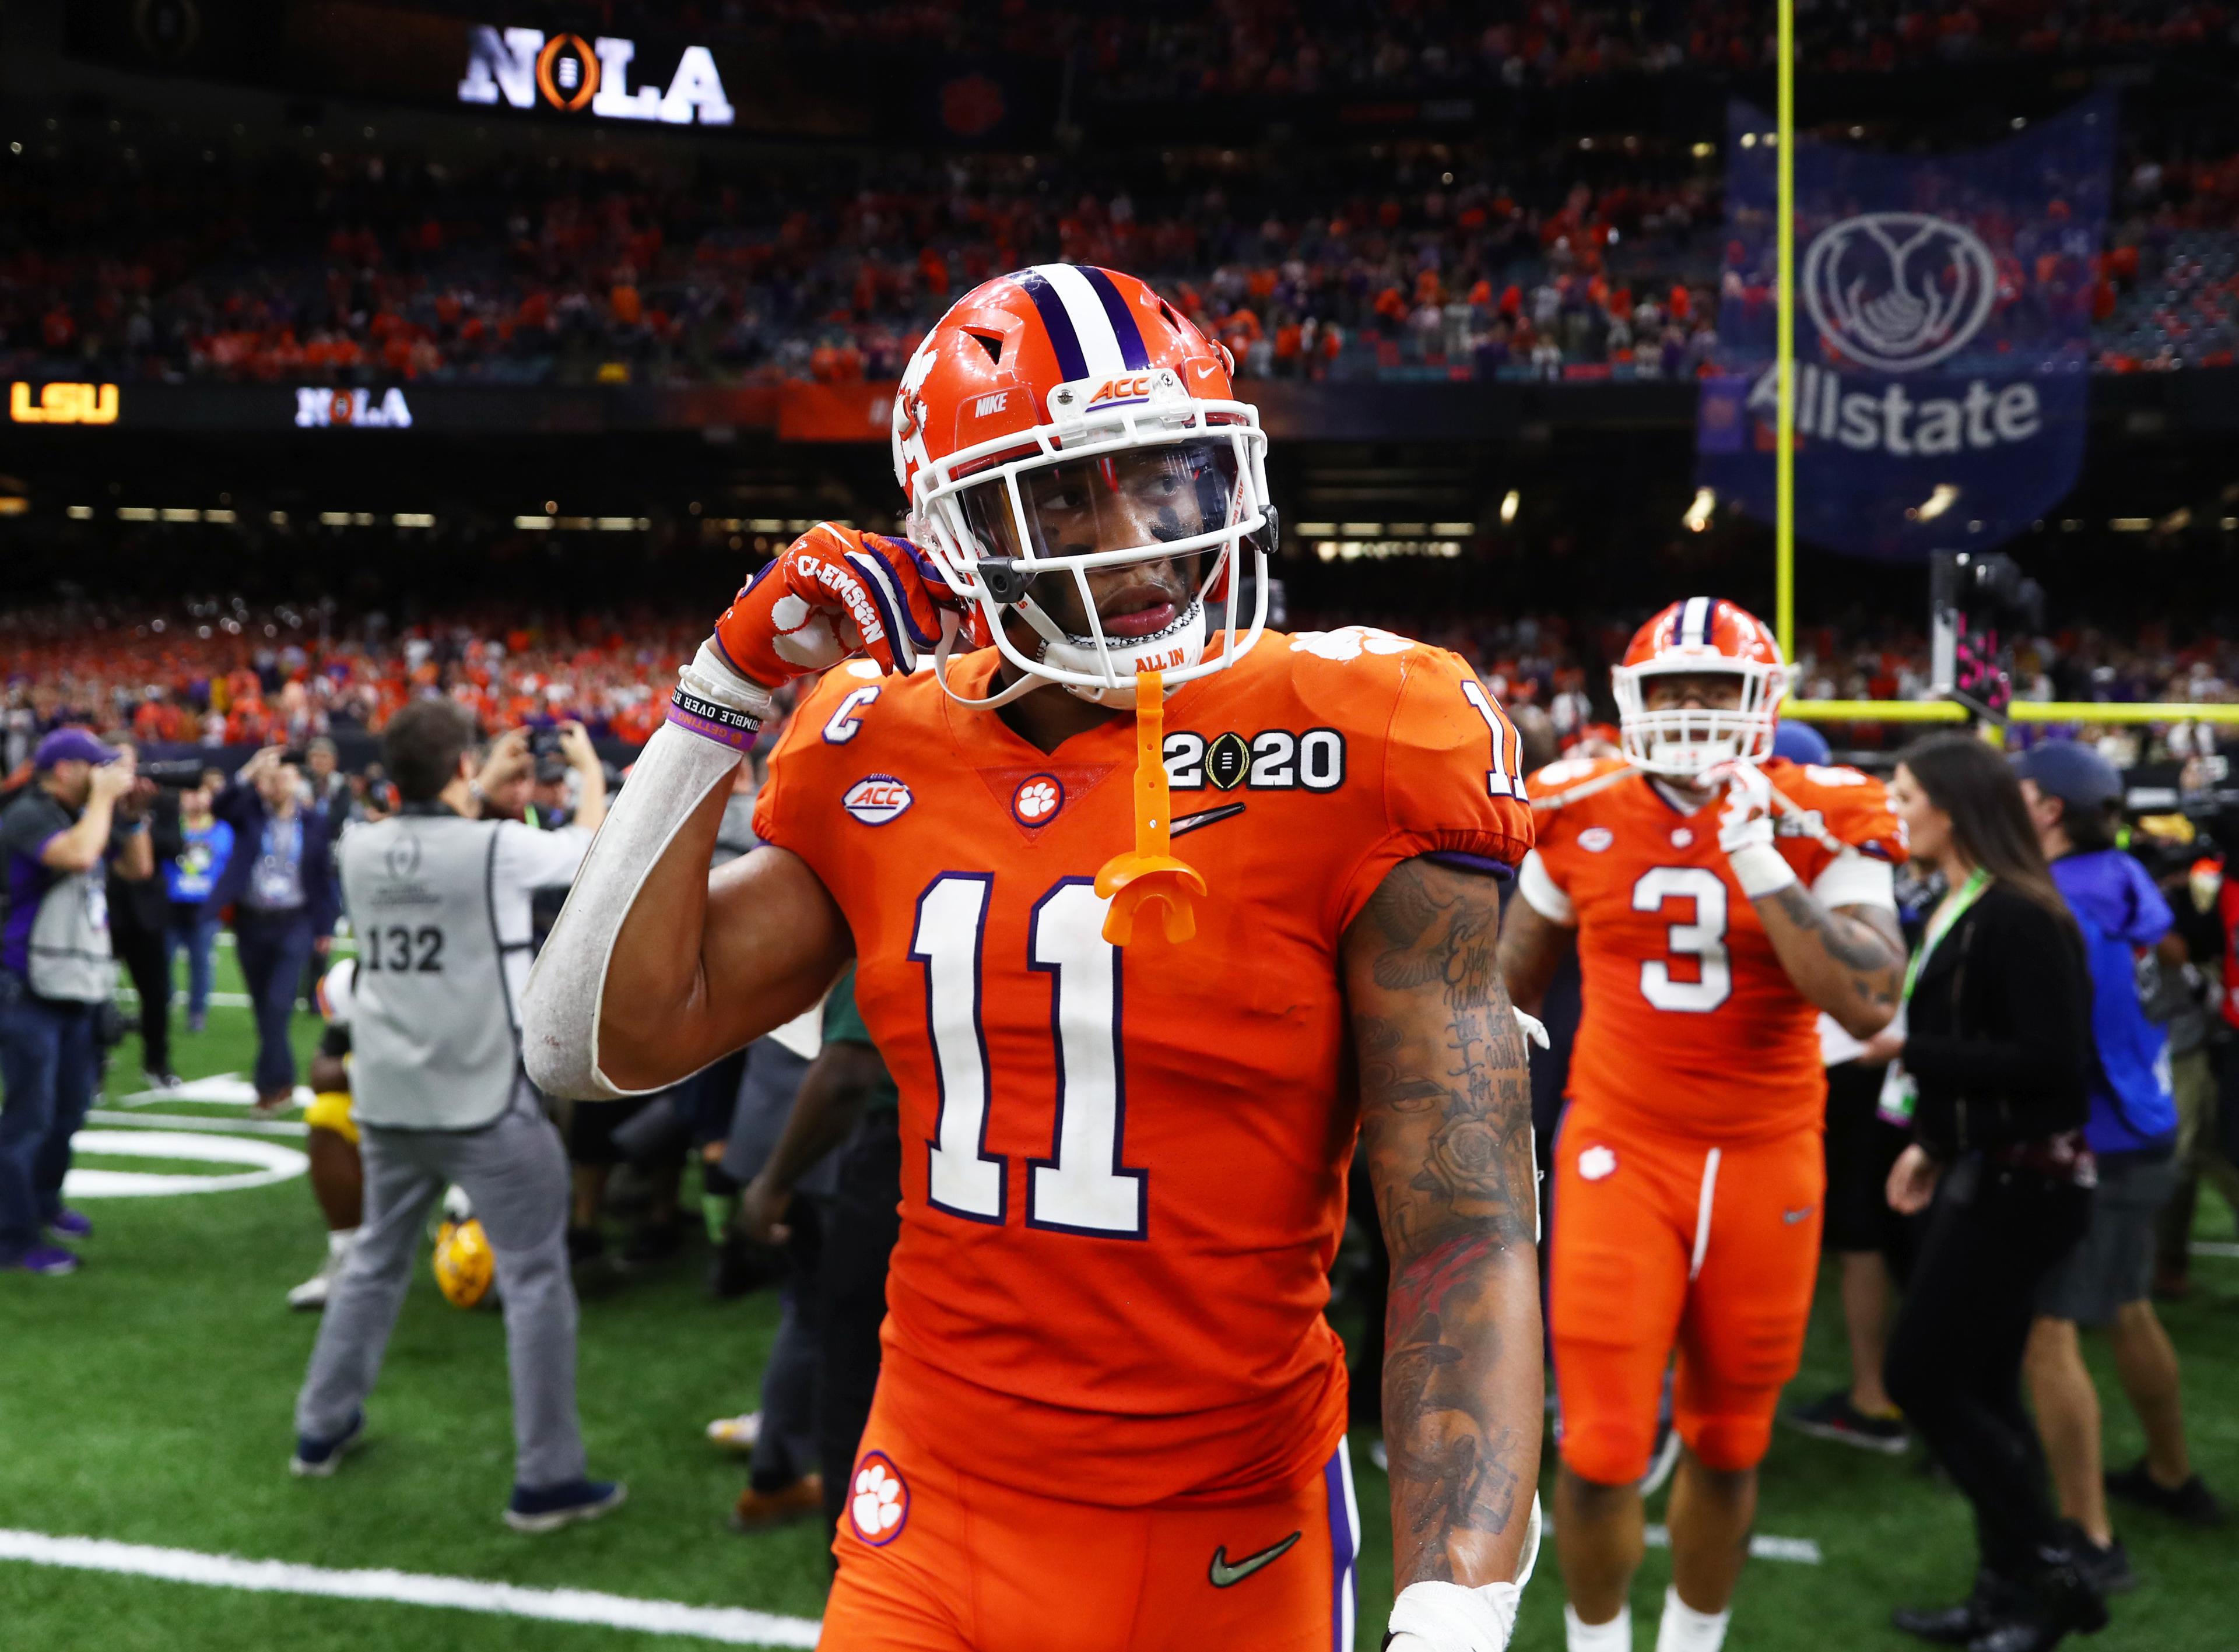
<point>56,970</point>
<point>439,900</point>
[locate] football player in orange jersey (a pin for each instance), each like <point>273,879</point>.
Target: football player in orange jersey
<point>1110,1413</point>
<point>1719,898</point>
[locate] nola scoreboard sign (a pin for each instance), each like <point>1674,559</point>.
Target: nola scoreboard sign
<point>605,76</point>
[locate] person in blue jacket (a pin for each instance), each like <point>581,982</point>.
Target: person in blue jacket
<point>2075,797</point>
<point>281,885</point>
<point>190,877</point>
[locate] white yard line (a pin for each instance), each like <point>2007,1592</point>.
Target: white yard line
<point>2215,1248</point>
<point>1802,1551</point>
<point>731,1625</point>
<point>128,998</point>
<point>218,1126</point>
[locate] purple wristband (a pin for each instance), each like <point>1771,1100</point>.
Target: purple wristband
<point>718,723</point>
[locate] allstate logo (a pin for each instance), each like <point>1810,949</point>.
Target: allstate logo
<point>1898,291</point>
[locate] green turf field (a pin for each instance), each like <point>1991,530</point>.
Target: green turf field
<point>147,1400</point>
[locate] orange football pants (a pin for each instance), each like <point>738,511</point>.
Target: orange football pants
<point>934,1560</point>
<point>1664,1243</point>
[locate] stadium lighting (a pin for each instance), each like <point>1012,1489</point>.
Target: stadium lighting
<point>1697,518</point>
<point>1941,498</point>
<point>81,512</point>
<point>532,521</point>
<point>1509,503</point>
<point>413,518</point>
<point>1703,150</point>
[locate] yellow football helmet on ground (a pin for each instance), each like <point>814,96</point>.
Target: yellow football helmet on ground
<point>464,1265</point>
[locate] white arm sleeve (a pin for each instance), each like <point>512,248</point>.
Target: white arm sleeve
<point>1450,1617</point>
<point>1543,894</point>
<point>560,1011</point>
<point>1855,879</point>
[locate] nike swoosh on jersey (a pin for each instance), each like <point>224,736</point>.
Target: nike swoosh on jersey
<point>1793,1216</point>
<point>1223,1573</point>
<point>1188,823</point>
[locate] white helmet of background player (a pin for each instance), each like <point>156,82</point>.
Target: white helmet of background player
<point>1697,637</point>
<point>336,992</point>
<point>1060,408</point>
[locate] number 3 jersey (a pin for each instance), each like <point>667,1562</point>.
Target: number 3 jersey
<point>1123,1169</point>
<point>1691,1026</point>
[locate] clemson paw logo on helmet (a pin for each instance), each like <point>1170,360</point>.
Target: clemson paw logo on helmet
<point>1037,799</point>
<point>1349,642</point>
<point>878,1502</point>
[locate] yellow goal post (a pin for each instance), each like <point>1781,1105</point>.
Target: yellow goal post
<point>2019,711</point>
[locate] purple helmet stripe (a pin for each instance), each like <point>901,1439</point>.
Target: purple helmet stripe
<point>1071,362</point>
<point>1123,324</point>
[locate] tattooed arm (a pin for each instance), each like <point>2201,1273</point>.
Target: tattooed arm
<point>1446,1126</point>
<point>1847,960</point>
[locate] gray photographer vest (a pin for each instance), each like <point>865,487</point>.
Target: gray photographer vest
<point>70,958</point>
<point>434,1041</point>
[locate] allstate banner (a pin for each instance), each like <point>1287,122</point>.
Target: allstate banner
<point>1942,333</point>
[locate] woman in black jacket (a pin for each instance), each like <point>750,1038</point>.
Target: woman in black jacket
<point>1993,1065</point>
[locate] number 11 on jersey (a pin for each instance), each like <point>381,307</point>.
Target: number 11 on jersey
<point>1083,1187</point>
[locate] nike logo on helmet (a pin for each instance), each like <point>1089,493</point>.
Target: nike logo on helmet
<point>1223,1573</point>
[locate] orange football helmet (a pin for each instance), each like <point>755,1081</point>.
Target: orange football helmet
<point>1054,411</point>
<point>1700,635</point>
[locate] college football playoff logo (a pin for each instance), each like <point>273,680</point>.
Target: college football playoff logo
<point>1898,291</point>
<point>403,857</point>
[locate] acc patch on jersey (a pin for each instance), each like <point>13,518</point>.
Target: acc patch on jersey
<point>877,799</point>
<point>878,1502</point>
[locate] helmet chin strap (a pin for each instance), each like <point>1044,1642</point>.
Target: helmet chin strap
<point>1081,653</point>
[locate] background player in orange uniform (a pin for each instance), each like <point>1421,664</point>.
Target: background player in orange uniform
<point>1110,1414</point>
<point>1719,898</point>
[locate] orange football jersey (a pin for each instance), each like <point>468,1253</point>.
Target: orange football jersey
<point>1123,1174</point>
<point>1690,1024</point>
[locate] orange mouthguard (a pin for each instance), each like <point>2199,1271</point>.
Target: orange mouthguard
<point>1149,872</point>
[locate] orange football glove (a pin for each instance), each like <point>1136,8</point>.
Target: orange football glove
<point>835,592</point>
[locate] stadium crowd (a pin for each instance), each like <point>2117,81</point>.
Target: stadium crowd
<point>1412,258</point>
<point>227,675</point>
<point>1285,48</point>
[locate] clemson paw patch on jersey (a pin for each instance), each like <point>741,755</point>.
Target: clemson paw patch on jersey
<point>878,1502</point>
<point>1038,799</point>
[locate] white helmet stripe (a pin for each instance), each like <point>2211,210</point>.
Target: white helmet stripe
<point>1099,342</point>
<point>1695,623</point>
